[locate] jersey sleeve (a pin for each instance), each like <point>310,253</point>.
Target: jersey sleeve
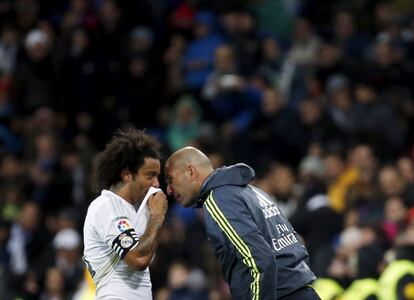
<point>116,230</point>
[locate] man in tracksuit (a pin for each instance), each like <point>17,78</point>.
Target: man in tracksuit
<point>260,253</point>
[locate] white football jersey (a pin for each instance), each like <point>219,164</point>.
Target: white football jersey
<point>112,228</point>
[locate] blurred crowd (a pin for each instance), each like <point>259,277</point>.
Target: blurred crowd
<point>317,96</point>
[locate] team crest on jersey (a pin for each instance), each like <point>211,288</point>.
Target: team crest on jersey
<point>123,225</point>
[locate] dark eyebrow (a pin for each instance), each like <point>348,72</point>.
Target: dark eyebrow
<point>153,173</point>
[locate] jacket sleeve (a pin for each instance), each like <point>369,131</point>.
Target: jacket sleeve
<point>231,229</point>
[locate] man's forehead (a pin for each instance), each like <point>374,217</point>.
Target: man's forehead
<point>151,160</point>
<point>169,169</point>
<point>171,163</point>
<point>151,164</point>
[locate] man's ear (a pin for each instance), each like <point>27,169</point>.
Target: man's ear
<point>125,175</point>
<point>191,171</point>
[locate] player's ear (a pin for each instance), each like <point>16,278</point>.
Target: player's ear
<point>125,175</point>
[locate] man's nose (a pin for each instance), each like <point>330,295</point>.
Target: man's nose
<point>156,182</point>
<point>169,190</point>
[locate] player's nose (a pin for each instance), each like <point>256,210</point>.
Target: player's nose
<point>156,182</point>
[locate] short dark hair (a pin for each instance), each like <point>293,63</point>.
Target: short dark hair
<point>126,151</point>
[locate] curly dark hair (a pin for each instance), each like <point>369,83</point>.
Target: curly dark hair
<point>126,151</point>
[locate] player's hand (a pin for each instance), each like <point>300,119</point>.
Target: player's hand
<point>157,204</point>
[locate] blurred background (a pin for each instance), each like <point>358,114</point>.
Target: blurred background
<point>317,96</point>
